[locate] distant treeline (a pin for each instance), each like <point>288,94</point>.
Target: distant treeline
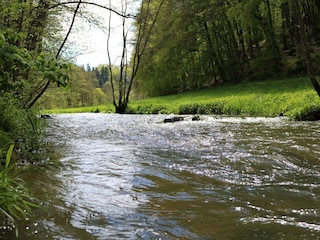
<point>101,72</point>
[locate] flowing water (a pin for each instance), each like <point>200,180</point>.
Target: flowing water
<point>134,177</point>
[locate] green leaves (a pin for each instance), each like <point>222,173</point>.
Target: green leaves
<point>18,64</point>
<point>53,70</point>
<point>8,156</point>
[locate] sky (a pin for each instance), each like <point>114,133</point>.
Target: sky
<point>90,42</point>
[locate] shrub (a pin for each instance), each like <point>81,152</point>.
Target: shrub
<point>21,126</point>
<point>144,109</point>
<point>189,108</point>
<point>212,108</point>
<point>205,108</point>
<point>159,109</point>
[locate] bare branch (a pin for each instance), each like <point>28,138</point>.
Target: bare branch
<point>70,28</point>
<point>93,4</point>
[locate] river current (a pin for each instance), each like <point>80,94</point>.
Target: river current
<point>135,177</point>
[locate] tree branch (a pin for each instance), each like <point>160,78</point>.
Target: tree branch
<point>31,101</point>
<point>93,4</point>
<point>69,31</point>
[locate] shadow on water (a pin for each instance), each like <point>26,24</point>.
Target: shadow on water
<point>132,177</point>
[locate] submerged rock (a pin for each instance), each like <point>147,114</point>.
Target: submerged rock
<point>179,118</point>
<point>45,116</point>
<point>195,118</point>
<point>173,119</point>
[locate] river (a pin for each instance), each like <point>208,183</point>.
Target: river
<point>135,177</point>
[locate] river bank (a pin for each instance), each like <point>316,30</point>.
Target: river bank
<point>292,97</point>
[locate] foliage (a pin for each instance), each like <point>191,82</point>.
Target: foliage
<point>206,108</point>
<point>27,67</point>
<point>15,199</point>
<point>250,98</point>
<point>21,126</point>
<point>102,74</point>
<point>105,108</point>
<point>82,91</point>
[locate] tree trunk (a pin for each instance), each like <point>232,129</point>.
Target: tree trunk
<point>272,38</point>
<point>121,108</point>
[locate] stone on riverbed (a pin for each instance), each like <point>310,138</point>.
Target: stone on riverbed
<point>195,118</point>
<point>173,119</point>
<point>178,119</point>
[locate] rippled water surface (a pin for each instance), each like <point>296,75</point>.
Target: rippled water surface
<point>134,177</point>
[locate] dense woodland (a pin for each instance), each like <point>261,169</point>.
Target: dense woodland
<point>199,43</point>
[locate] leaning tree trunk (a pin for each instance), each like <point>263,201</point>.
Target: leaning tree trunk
<point>42,88</point>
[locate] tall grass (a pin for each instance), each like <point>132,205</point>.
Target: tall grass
<point>15,199</point>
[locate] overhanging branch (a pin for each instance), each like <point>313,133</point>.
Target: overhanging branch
<point>31,101</point>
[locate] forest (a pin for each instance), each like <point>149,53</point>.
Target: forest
<point>178,46</point>
<point>197,44</point>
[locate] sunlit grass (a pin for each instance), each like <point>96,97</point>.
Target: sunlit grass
<point>265,98</point>
<point>106,108</point>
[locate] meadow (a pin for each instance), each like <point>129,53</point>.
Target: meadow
<point>292,97</point>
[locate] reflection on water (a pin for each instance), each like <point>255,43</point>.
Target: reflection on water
<point>134,177</point>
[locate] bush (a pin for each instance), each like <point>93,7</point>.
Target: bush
<point>206,108</point>
<point>21,126</point>
<point>189,108</point>
<point>211,108</point>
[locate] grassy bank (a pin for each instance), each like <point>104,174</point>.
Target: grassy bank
<point>291,97</point>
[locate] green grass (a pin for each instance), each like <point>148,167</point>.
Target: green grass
<point>266,98</point>
<point>106,108</point>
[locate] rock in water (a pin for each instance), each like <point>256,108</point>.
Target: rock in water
<point>195,118</point>
<point>173,119</point>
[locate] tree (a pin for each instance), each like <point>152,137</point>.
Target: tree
<point>102,74</point>
<point>145,22</point>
